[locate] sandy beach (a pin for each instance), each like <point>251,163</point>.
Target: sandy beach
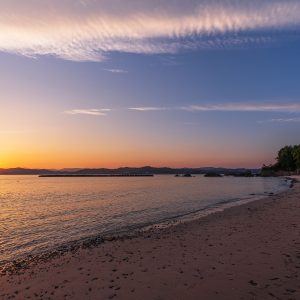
<point>246,252</point>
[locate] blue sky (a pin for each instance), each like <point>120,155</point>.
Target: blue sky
<point>187,84</point>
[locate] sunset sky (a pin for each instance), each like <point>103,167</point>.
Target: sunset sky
<point>109,83</point>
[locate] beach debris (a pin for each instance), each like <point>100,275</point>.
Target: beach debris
<point>252,282</point>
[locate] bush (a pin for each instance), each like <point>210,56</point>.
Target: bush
<point>288,159</point>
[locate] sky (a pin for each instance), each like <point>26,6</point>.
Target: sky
<point>110,83</point>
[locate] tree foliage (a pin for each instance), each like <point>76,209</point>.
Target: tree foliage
<point>296,155</point>
<point>288,159</point>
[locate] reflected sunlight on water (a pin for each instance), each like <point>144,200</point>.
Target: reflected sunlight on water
<point>37,214</point>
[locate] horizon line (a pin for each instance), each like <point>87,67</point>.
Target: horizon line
<point>115,168</point>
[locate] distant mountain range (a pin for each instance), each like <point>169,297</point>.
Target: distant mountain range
<point>128,170</point>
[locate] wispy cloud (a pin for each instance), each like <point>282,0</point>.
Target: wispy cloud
<point>92,112</point>
<point>282,120</point>
<point>229,107</point>
<point>226,107</point>
<point>245,107</point>
<point>118,71</point>
<point>85,30</point>
<point>148,108</point>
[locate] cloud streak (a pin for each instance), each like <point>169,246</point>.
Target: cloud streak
<point>229,107</point>
<point>87,30</point>
<point>282,120</point>
<point>245,107</point>
<point>148,108</point>
<point>226,107</point>
<point>117,71</point>
<point>91,112</point>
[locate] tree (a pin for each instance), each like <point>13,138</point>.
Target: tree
<point>285,159</point>
<point>288,159</point>
<point>296,156</point>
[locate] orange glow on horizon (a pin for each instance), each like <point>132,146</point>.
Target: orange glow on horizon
<point>73,160</point>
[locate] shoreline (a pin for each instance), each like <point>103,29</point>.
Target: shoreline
<point>15,265</point>
<point>251,251</point>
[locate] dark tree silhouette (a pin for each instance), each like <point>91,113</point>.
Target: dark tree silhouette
<point>296,155</point>
<point>285,159</point>
<point>288,159</point>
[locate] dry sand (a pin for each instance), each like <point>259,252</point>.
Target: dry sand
<point>246,252</point>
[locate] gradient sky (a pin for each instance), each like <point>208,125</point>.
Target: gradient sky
<point>108,83</point>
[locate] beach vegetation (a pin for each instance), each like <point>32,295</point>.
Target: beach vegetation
<point>288,160</point>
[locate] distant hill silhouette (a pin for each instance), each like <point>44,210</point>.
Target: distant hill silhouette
<point>128,170</point>
<point>22,171</point>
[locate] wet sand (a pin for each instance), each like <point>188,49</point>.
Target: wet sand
<point>246,252</point>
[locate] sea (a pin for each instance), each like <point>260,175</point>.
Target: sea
<point>39,214</point>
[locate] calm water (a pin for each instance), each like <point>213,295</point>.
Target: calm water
<point>37,214</point>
